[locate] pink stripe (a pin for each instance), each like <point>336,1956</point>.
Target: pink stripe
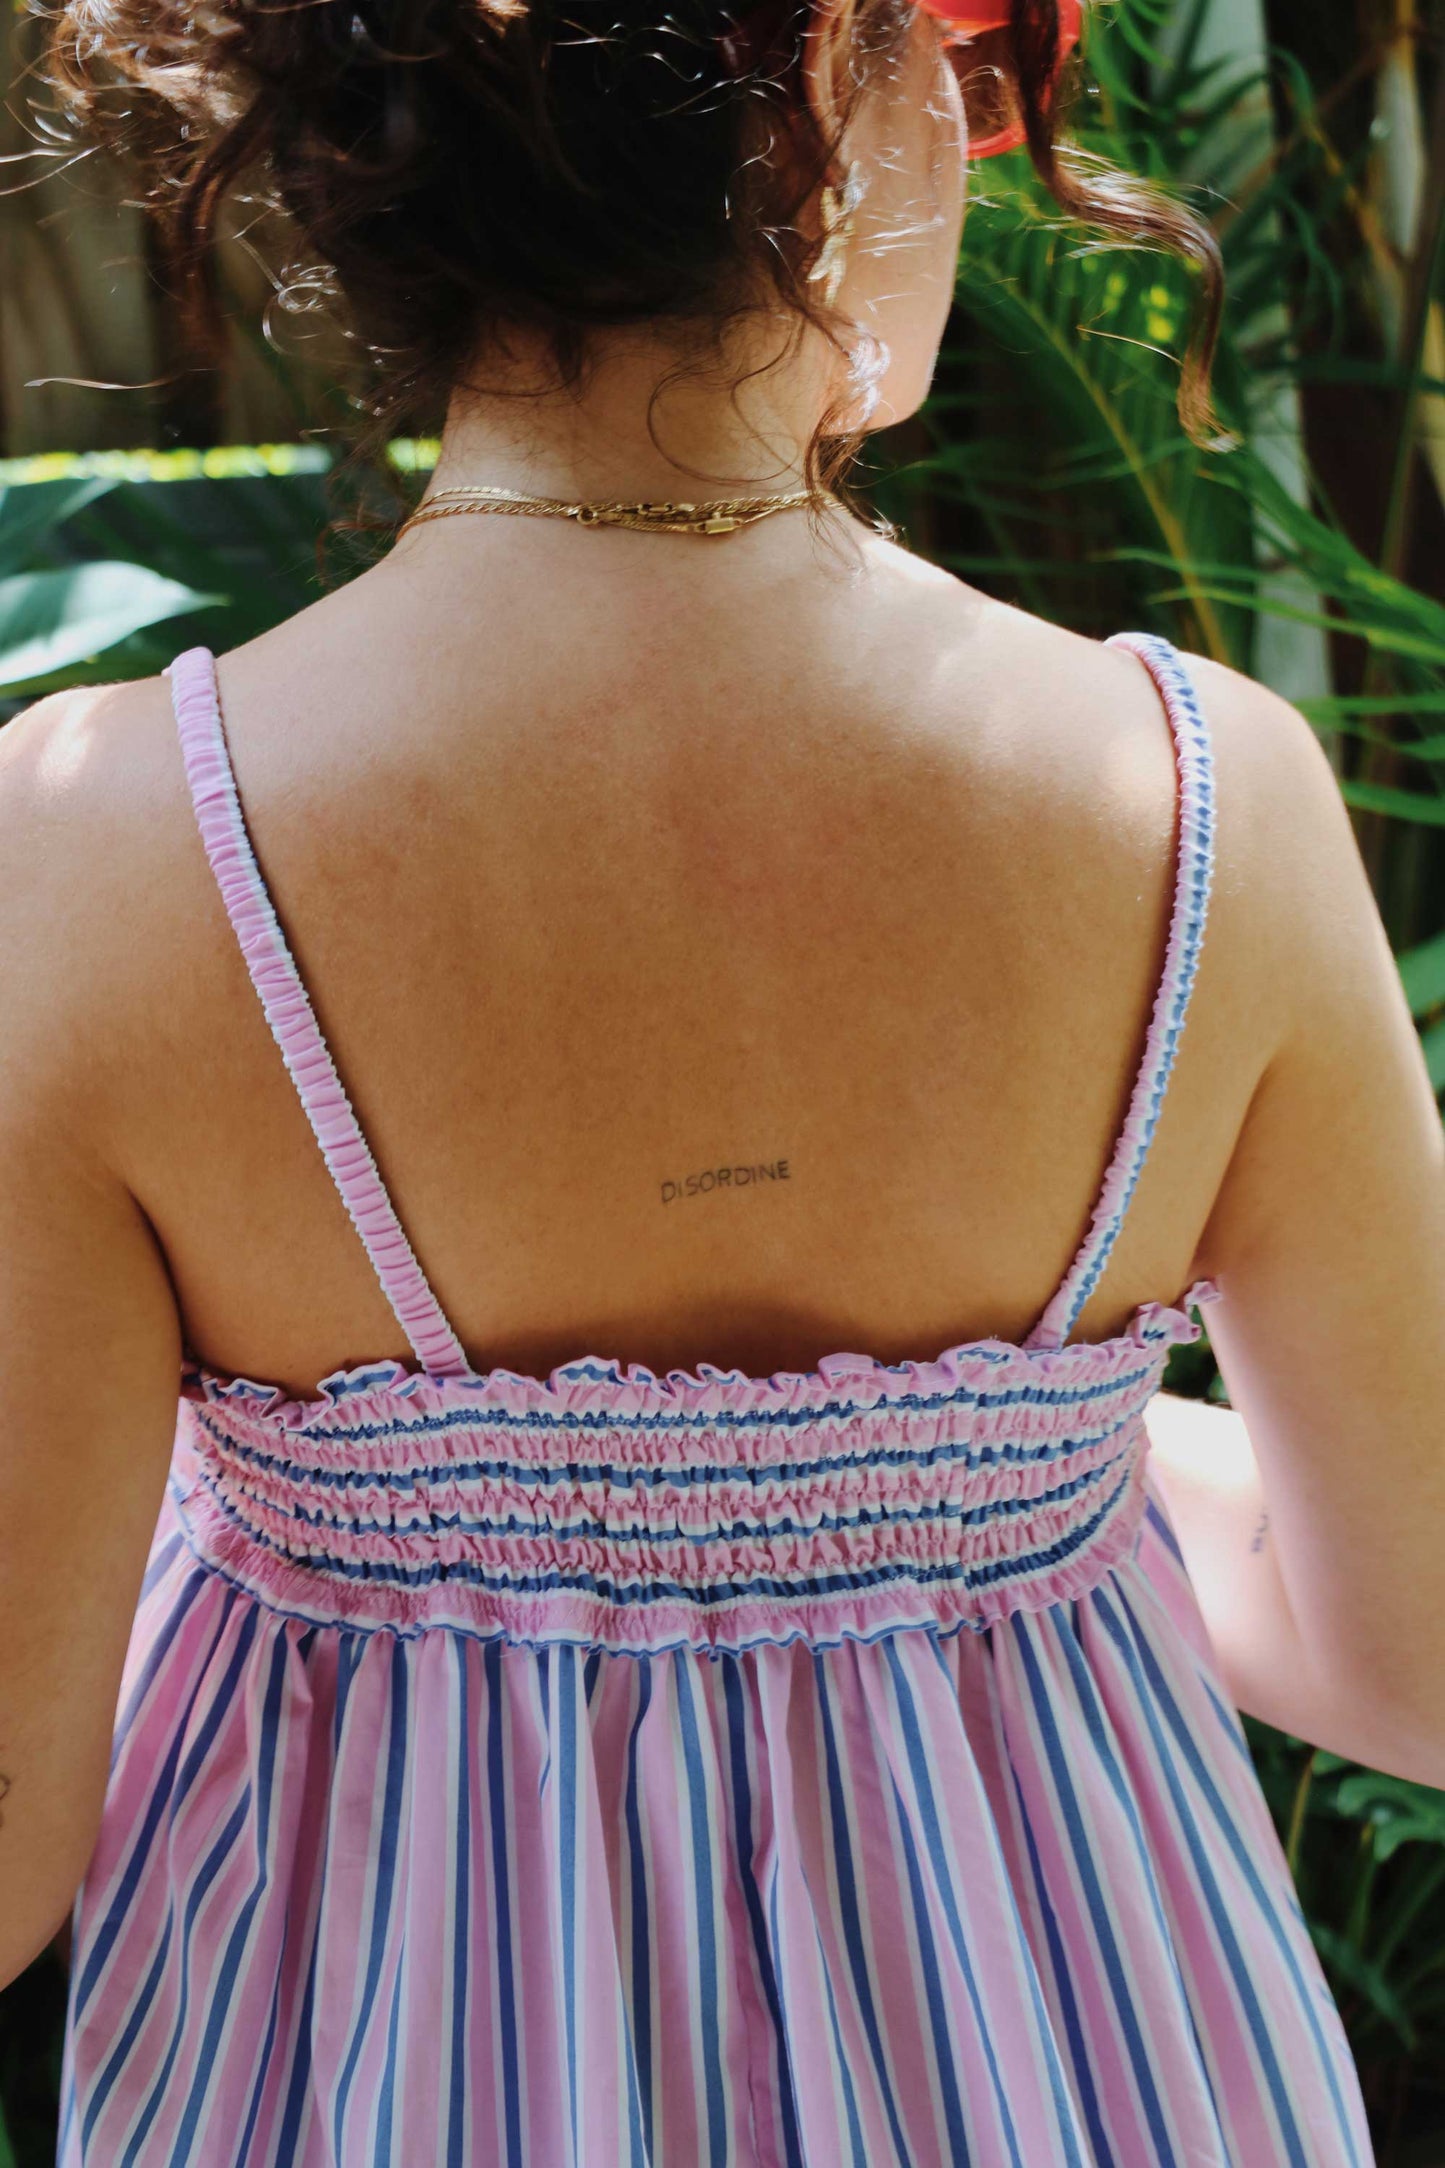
<point>979,1719</point>
<point>536,1882</point>
<point>196,701</point>
<point>789,1871</point>
<point>885,1911</point>
<point>1238,2083</point>
<point>300,1878</point>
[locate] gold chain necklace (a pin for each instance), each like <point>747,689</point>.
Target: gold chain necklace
<point>723,515</point>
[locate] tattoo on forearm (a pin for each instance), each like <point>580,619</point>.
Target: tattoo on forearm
<point>4,1794</point>
<point>711,1178</point>
<point>1257,1542</point>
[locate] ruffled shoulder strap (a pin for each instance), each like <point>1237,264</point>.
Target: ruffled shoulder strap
<point>1193,878</point>
<point>195,698</point>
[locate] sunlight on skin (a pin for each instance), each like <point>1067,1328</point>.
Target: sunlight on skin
<point>66,744</point>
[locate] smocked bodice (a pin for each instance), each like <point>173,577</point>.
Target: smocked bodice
<point>628,1511</point>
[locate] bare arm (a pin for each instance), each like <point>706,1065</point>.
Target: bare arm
<point>1204,1465</point>
<point>89,1358</point>
<point>1328,1241</point>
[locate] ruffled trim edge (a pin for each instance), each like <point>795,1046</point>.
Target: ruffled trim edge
<point>593,1384</point>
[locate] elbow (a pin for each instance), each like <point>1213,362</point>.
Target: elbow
<point>1401,1733</point>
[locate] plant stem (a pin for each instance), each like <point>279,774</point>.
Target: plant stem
<point>1297,1812</point>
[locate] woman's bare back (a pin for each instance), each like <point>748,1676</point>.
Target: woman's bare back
<point>863,880</point>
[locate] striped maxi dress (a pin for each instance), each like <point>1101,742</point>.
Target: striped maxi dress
<point>827,1770</point>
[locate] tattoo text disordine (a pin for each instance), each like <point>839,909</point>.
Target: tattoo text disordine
<point>729,1178</point>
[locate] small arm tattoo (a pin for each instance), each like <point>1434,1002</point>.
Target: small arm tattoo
<point>1257,1541</point>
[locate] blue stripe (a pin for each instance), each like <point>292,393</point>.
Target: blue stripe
<point>218,2008</point>
<point>1156,1699</point>
<point>159,1564</point>
<point>120,2054</point>
<point>209,1869</point>
<point>785,2067</point>
<point>1123,1384</point>
<point>386,2104</point>
<point>160,1648</point>
<point>545,1661</point>
<point>1058,2085</point>
<point>946,2056</point>
<point>1080,2068</point>
<point>587,1527</point>
<point>1213,1900</point>
<point>1101,1926</point>
<point>304,1645</point>
<point>707,1950</point>
<point>639,2146</point>
<point>294,2123</point>
<point>1101,1733</point>
<point>383,1888</point>
<point>840,2058</point>
<point>502,1903</point>
<point>462,1920</point>
<point>637,1902</point>
<point>743,1853</point>
<point>103,1940</point>
<point>567,1840</point>
<point>658,1591</point>
<point>852,1922</point>
<point>943,1876</point>
<point>1155,1520</point>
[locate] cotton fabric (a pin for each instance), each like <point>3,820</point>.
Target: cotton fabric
<point>701,1771</point>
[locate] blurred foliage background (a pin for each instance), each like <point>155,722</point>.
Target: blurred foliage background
<point>1048,467</point>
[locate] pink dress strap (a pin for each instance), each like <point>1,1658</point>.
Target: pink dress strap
<point>1193,878</point>
<point>195,698</point>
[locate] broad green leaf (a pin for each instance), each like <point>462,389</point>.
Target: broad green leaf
<point>1433,1042</point>
<point>1403,805</point>
<point>50,620</point>
<point>1423,971</point>
<point>31,511</point>
<point>1399,1811</point>
<point>1368,1979</point>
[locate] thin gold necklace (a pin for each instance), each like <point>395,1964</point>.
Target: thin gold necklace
<point>722,515</point>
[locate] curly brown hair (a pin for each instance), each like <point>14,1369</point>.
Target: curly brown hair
<point>459,167</point>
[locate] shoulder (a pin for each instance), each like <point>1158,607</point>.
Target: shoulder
<point>1076,705</point>
<point>91,783</point>
<point>1284,821</point>
<point>1067,740</point>
<point>77,764</point>
<point>1259,727</point>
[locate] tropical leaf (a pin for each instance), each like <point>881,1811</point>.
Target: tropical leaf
<point>50,620</point>
<point>1400,805</point>
<point>32,511</point>
<point>1368,1979</point>
<point>1423,971</point>
<point>1399,1812</point>
<point>1433,1043</point>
